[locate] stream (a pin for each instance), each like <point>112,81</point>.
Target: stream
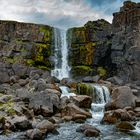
<point>67,131</point>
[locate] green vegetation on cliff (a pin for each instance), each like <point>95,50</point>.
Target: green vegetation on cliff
<point>89,48</point>
<point>26,43</point>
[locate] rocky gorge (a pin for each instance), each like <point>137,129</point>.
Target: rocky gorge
<point>103,58</point>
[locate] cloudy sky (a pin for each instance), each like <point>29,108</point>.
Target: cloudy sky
<point>59,13</point>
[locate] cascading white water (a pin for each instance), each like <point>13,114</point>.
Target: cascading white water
<point>102,97</point>
<point>66,92</point>
<point>61,69</point>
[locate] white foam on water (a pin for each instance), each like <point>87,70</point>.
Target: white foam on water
<point>66,92</point>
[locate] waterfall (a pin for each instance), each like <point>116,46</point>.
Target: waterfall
<point>61,68</point>
<point>102,96</point>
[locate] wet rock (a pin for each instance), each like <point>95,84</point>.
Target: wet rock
<point>125,126</point>
<point>79,118</point>
<point>121,97</point>
<point>54,91</point>
<point>137,114</point>
<point>35,134</point>
<point>137,109</point>
<point>115,116</point>
<point>83,101</point>
<point>137,102</point>
<point>84,127</point>
<point>46,111</point>
<point>55,120</point>
<point>53,87</point>
<point>91,133</point>
<point>45,126</point>
<point>21,123</point>
<point>88,130</point>
<point>64,101</point>
<point>128,108</point>
<point>67,118</point>
<point>55,80</point>
<point>69,82</point>
<point>72,110</point>
<point>132,113</point>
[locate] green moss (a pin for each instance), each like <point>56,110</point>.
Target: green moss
<point>82,70</point>
<point>43,29</point>
<point>43,51</point>
<point>43,68</point>
<point>8,108</point>
<point>94,44</point>
<point>86,89</point>
<point>82,48</point>
<point>30,62</point>
<point>11,111</point>
<point>13,60</point>
<point>101,71</point>
<point>47,33</point>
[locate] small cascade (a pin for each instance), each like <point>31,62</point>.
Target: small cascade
<point>102,94</point>
<point>61,68</point>
<point>102,97</point>
<point>66,92</point>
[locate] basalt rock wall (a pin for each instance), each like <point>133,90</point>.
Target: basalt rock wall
<point>108,49</point>
<point>90,48</point>
<point>24,45</point>
<point>125,50</point>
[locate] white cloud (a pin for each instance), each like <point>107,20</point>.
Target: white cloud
<point>59,13</point>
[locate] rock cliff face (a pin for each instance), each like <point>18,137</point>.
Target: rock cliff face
<point>25,43</point>
<point>90,48</point>
<point>102,48</point>
<point>126,41</point>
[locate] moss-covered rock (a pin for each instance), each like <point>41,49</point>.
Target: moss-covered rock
<point>26,43</point>
<point>101,71</point>
<point>86,89</point>
<point>90,46</point>
<point>81,70</point>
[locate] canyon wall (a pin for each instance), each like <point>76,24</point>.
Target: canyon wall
<point>105,49</point>
<point>24,45</point>
<point>126,41</point>
<point>90,48</point>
